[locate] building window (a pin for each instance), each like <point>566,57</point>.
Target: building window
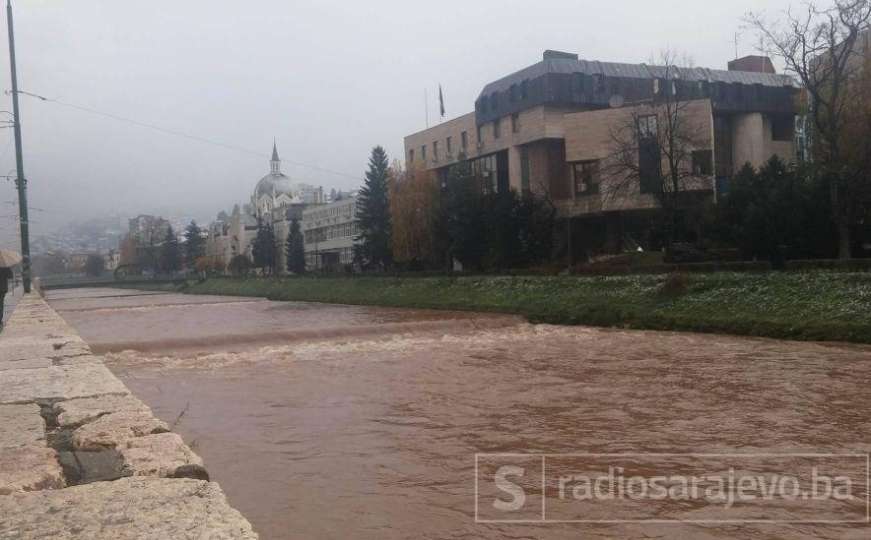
<point>599,83</point>
<point>423,153</point>
<point>464,141</point>
<point>480,136</point>
<point>703,162</point>
<point>782,128</point>
<point>494,101</point>
<point>448,146</point>
<point>650,165</point>
<point>411,156</point>
<point>514,93</point>
<point>497,128</point>
<point>485,168</point>
<point>524,89</point>
<point>578,84</point>
<point>586,177</point>
<point>524,169</point>
<point>649,154</point>
<point>648,127</point>
<point>515,123</point>
<point>435,150</point>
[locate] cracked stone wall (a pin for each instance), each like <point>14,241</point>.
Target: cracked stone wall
<point>81,457</point>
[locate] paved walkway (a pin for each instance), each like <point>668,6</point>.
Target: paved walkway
<point>81,457</point>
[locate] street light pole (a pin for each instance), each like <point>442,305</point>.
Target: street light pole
<point>20,181</point>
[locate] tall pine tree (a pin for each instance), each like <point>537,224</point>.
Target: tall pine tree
<point>264,248</point>
<point>170,253</point>
<point>373,214</point>
<point>295,249</point>
<point>194,244</point>
<point>464,218</point>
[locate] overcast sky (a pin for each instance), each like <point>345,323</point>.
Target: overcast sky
<point>328,79</point>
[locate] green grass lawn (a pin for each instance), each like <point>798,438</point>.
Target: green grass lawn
<point>809,306</point>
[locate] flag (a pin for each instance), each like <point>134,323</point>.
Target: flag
<point>441,102</point>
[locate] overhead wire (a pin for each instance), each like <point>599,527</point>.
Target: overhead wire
<point>176,133</point>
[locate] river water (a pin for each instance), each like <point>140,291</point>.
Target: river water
<point>324,421</point>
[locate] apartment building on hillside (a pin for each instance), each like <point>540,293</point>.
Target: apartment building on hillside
<point>546,128</point>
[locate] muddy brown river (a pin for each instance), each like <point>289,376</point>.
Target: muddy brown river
<point>325,421</point>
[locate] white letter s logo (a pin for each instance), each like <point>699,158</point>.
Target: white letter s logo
<point>517,494</point>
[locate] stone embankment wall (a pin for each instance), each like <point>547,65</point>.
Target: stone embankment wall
<point>81,457</point>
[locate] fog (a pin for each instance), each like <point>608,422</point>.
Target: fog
<point>327,79</point>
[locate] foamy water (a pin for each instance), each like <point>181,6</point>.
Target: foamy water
<point>372,434</point>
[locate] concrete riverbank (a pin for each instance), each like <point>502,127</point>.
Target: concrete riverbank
<point>81,457</point>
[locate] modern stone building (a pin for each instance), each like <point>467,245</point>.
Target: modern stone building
<point>548,129</point>
<point>330,232</point>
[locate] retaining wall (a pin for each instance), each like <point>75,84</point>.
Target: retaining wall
<point>81,457</point>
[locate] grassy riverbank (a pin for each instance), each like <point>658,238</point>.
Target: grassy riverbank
<point>807,306</point>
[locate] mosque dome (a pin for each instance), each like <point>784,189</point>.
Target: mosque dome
<point>275,183</point>
<point>276,190</point>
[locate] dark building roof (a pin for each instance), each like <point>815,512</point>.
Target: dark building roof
<point>563,79</point>
<point>568,63</point>
<point>761,64</point>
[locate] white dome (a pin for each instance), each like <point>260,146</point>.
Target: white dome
<point>274,185</point>
<point>277,189</point>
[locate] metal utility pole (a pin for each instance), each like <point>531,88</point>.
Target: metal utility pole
<point>20,181</point>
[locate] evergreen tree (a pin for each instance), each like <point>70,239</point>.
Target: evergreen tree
<point>195,245</point>
<point>170,253</point>
<point>777,212</point>
<point>239,265</point>
<point>373,213</point>
<point>483,229</point>
<point>295,249</point>
<point>504,229</point>
<point>264,248</point>
<point>464,220</point>
<point>94,265</point>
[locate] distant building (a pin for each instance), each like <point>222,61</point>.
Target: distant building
<point>145,229</point>
<point>545,130</point>
<point>141,246</point>
<point>276,190</point>
<point>330,232</point>
<point>231,236</point>
<point>277,200</point>
<point>113,260</point>
<point>76,262</point>
<point>218,242</point>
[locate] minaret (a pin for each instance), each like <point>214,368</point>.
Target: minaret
<point>275,162</point>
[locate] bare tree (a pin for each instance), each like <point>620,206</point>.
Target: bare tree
<point>652,151</point>
<point>822,48</point>
<point>414,208</point>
